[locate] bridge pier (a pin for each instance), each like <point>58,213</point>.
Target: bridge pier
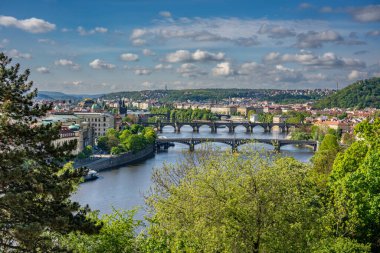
<point>249,129</point>
<point>213,129</point>
<point>276,145</point>
<point>196,129</point>
<point>191,146</point>
<point>231,129</point>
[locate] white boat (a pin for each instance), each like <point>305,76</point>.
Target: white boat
<point>91,175</point>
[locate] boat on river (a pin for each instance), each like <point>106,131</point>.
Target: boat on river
<point>91,175</point>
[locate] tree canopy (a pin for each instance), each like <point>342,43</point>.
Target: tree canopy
<point>364,93</point>
<point>34,187</point>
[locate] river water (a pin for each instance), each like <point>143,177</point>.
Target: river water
<point>124,187</point>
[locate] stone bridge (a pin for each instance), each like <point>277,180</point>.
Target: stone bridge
<point>233,142</point>
<point>284,127</point>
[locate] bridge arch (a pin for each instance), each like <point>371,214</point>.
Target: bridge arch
<point>166,128</point>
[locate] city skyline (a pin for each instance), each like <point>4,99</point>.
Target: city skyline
<point>108,46</point>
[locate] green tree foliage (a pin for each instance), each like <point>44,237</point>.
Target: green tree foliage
<point>355,188</point>
<point>296,117</point>
<point>87,152</point>
<point>185,115</point>
<point>300,135</point>
<point>117,234</point>
<point>265,117</point>
<point>324,158</point>
<point>133,138</point>
<point>227,203</point>
<point>361,94</point>
<point>214,95</point>
<point>34,188</point>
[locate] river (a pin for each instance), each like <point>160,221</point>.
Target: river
<point>124,187</point>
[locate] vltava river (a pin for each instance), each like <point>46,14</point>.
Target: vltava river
<point>124,187</point>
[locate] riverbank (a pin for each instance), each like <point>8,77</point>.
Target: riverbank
<point>114,161</point>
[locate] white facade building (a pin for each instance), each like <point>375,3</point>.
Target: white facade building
<point>100,122</point>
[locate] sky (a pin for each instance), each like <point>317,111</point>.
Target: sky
<point>100,46</point>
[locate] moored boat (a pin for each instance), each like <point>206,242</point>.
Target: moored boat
<point>91,175</point>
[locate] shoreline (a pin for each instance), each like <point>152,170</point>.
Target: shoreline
<point>111,162</point>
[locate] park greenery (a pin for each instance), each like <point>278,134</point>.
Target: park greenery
<point>132,138</point>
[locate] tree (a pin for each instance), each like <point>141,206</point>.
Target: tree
<point>324,158</point>
<point>226,203</point>
<point>34,188</point>
<point>117,235</point>
<point>355,188</point>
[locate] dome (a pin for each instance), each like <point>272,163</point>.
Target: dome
<point>74,127</point>
<point>95,107</point>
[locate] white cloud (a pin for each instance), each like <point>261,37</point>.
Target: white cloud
<point>32,25</point>
<point>67,63</point>
<point>190,70</point>
<point>163,66</point>
<point>370,13</point>
<point>287,75</point>
<point>83,31</point>
<point>129,57</point>
<point>14,53</point>
<point>178,56</point>
<point>355,75</point>
<point>272,56</point>
<point>138,42</point>
<point>47,41</point>
<point>373,33</point>
<point>305,6</point>
<point>137,33</point>
<point>276,32</point>
<point>313,39</point>
<point>142,71</point>
<point>100,64</point>
<point>248,68</point>
<point>165,14</point>
<point>73,83</point>
<point>148,52</point>
<point>223,69</point>
<point>328,59</point>
<point>198,55</point>
<point>43,70</point>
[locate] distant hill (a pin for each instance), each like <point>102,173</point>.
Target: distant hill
<point>365,93</point>
<point>53,95</point>
<point>213,95</point>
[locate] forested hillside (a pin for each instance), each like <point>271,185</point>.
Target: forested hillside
<point>365,93</point>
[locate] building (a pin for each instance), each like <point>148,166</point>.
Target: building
<point>254,118</point>
<point>227,110</point>
<point>279,119</point>
<point>100,122</point>
<point>343,126</point>
<point>73,128</point>
<point>245,110</point>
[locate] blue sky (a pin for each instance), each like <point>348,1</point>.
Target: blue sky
<point>120,45</point>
